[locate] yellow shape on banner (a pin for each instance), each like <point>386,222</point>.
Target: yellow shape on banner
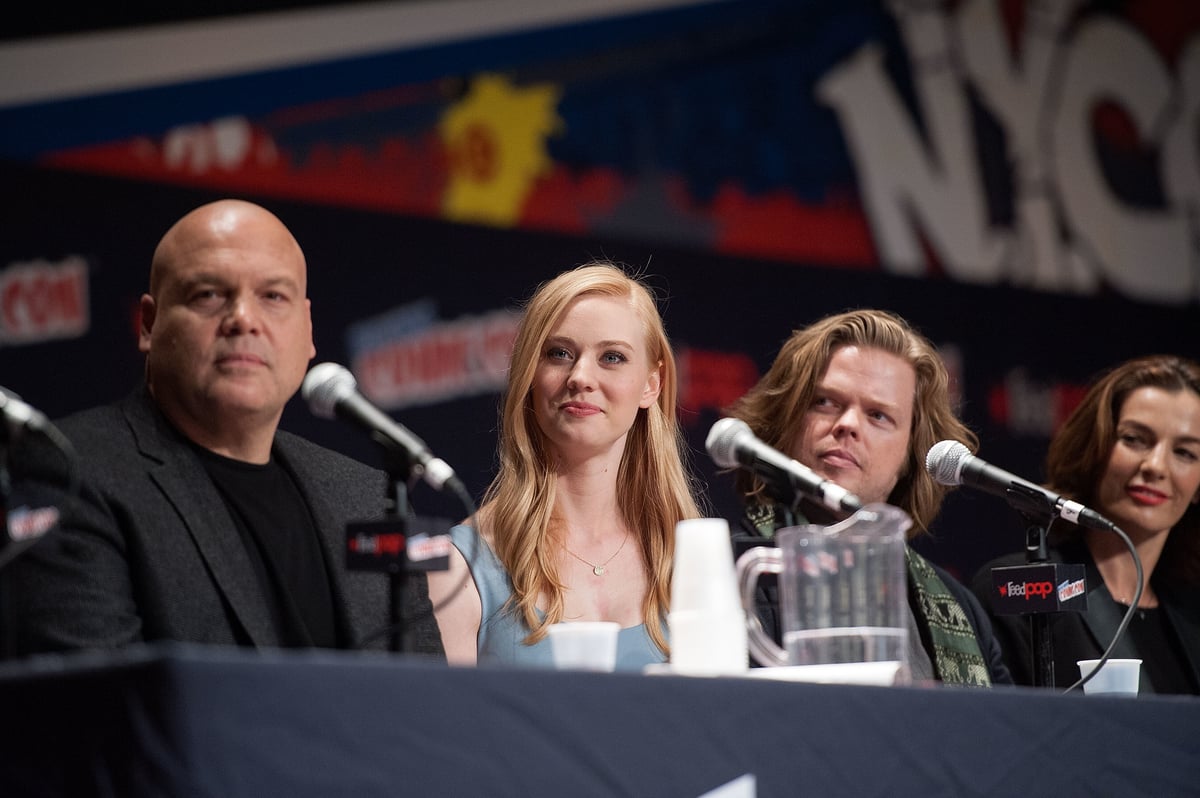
<point>496,141</point>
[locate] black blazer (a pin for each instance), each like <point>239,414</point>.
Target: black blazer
<point>149,551</point>
<point>1085,635</point>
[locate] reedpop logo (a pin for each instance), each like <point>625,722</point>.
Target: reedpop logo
<point>1027,589</point>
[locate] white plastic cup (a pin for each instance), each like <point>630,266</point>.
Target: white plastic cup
<point>1117,677</point>
<point>706,623</point>
<point>584,645</point>
<point>703,577</point>
<point>707,644</point>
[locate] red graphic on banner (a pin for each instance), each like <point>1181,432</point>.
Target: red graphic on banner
<point>711,381</point>
<point>40,300</point>
<point>1024,406</point>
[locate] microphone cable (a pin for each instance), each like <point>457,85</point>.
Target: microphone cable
<point>1133,606</point>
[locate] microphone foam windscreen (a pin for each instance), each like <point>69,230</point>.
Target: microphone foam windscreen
<point>944,462</point>
<point>324,385</point>
<point>722,440</point>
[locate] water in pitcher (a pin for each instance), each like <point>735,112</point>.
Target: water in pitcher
<point>846,644</point>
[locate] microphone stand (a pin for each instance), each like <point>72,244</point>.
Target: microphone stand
<point>1034,505</point>
<point>8,632</point>
<point>5,490</point>
<point>381,545</point>
<point>1039,622</point>
<point>397,515</point>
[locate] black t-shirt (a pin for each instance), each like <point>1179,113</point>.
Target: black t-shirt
<point>1162,655</point>
<point>282,544</point>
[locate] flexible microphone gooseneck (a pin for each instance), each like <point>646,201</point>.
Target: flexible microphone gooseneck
<point>731,443</point>
<point>951,463</point>
<point>332,392</point>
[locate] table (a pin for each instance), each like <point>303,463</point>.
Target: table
<point>187,721</point>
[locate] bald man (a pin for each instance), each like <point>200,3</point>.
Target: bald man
<point>199,520</point>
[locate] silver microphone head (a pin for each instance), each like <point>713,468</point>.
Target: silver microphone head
<point>944,462</point>
<point>326,384</point>
<point>18,412</point>
<point>722,441</point>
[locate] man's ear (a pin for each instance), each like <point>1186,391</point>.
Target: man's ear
<point>146,315</point>
<point>312,341</point>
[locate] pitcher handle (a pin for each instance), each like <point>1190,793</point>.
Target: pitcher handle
<point>753,563</point>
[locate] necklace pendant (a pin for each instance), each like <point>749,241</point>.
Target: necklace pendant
<point>598,570</point>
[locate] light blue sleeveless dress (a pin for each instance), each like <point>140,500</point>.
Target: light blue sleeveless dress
<point>501,629</point>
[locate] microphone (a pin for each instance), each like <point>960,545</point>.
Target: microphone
<point>732,443</point>
<point>22,526</point>
<point>331,391</point>
<point>951,463</point>
<point>19,416</point>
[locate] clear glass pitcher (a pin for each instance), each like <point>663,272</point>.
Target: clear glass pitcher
<point>842,591</point>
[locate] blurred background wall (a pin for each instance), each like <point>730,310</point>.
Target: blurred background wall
<point>1019,179</point>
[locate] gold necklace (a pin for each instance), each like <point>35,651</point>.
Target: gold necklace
<point>599,570</point>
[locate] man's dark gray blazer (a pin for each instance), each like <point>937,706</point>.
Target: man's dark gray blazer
<point>149,551</point>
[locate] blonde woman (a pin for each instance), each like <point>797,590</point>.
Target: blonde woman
<point>579,522</point>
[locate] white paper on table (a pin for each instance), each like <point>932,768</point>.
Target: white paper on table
<point>745,786</point>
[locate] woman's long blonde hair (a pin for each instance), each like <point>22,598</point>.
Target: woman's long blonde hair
<point>654,489</point>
